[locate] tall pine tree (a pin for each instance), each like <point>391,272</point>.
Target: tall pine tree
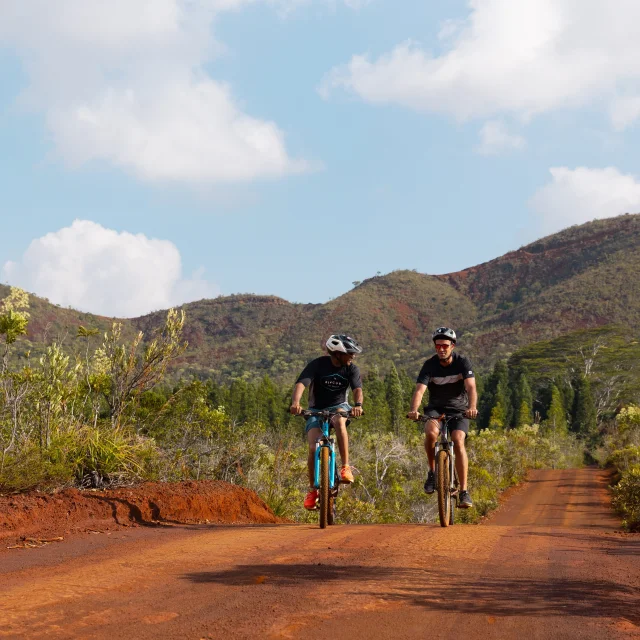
<point>584,419</point>
<point>523,401</point>
<point>556,421</point>
<point>377,415</point>
<point>394,396</point>
<point>495,402</point>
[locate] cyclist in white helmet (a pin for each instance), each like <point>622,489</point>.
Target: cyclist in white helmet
<point>452,391</point>
<point>329,378</point>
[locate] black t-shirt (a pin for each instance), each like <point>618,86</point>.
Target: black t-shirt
<point>446,384</point>
<point>328,385</point>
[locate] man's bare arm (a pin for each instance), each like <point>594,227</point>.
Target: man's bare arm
<point>416,400</point>
<point>470,386</point>
<point>295,407</point>
<point>357,398</point>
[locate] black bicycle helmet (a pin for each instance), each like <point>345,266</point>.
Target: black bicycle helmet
<point>444,333</point>
<point>343,344</point>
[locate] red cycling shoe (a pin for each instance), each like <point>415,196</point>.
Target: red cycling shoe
<point>311,500</point>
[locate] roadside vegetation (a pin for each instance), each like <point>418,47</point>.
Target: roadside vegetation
<point>620,449</point>
<point>102,413</point>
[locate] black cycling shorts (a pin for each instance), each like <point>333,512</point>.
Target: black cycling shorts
<point>458,421</point>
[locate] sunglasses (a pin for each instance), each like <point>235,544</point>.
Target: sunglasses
<point>443,347</point>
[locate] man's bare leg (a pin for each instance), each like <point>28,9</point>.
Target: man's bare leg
<point>462,462</point>
<point>431,431</point>
<point>340,427</point>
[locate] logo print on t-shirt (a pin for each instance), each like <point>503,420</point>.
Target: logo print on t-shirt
<point>334,382</point>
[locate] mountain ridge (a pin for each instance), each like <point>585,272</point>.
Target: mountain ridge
<point>582,277</point>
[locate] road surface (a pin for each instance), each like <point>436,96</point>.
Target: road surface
<point>551,563</point>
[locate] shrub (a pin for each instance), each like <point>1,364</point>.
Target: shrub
<point>626,498</point>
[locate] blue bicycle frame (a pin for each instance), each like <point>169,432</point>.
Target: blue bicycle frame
<point>325,440</point>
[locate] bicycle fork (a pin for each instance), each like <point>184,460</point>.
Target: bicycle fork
<point>320,443</point>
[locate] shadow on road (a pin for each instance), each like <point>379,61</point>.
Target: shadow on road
<point>440,591</point>
<point>623,545</point>
<point>626,548</point>
<point>522,597</point>
<point>289,574</point>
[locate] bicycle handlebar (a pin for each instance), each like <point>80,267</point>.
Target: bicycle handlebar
<point>422,418</point>
<point>308,413</point>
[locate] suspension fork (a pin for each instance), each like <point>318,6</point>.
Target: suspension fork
<point>332,464</point>
<point>316,464</point>
<point>324,441</point>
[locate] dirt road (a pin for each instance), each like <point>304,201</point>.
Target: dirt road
<point>550,564</point>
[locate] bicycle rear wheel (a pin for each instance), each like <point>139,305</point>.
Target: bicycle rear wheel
<point>331,516</point>
<point>324,487</point>
<point>444,487</point>
<point>454,499</point>
<point>333,499</point>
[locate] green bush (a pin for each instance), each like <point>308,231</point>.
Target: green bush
<point>31,468</point>
<point>114,454</point>
<point>117,456</point>
<point>626,498</point>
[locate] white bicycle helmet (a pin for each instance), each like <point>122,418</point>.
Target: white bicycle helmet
<point>343,344</point>
<point>444,333</point>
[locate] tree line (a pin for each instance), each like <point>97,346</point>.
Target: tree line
<point>562,403</point>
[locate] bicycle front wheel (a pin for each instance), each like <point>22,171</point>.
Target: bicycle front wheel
<point>444,487</point>
<point>324,487</point>
<point>454,502</point>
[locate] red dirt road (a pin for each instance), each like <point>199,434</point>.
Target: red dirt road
<point>550,564</point>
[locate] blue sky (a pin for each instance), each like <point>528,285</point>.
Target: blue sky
<point>159,151</point>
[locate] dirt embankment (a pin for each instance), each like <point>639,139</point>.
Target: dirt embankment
<point>47,515</point>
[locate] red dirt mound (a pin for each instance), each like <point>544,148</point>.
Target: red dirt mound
<point>39,514</point>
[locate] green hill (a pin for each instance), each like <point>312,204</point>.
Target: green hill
<point>607,355</point>
<point>581,278</point>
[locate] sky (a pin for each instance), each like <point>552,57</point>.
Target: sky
<point>155,152</point>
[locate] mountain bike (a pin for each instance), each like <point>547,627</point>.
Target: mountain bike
<point>326,475</point>
<point>447,483</point>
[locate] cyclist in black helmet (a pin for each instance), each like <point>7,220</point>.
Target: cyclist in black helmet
<point>329,378</point>
<point>452,391</point>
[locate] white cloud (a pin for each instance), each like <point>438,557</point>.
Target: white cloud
<point>625,111</point>
<point>579,195</point>
<point>521,58</point>
<point>125,82</point>
<point>495,139</point>
<point>94,269</point>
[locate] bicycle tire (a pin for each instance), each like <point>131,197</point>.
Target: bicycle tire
<point>454,499</point>
<point>324,487</point>
<point>444,487</point>
<point>333,500</point>
<point>331,516</point>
